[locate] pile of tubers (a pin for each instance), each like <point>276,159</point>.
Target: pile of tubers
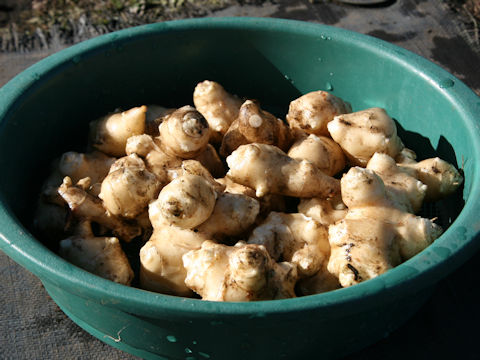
<point>276,224</point>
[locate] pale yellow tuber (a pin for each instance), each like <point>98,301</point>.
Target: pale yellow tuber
<point>238,273</point>
<point>129,187</point>
<point>313,111</point>
<point>160,163</point>
<point>85,207</point>
<point>218,106</point>
<point>194,167</point>
<point>403,189</point>
<point>294,238</point>
<point>322,151</point>
<point>377,233</point>
<point>186,202</point>
<point>324,211</point>
<point>363,133</point>
<point>184,133</point>
<point>232,216</point>
<point>362,249</point>
<point>110,133</point>
<point>102,256</point>
<point>255,125</point>
<point>94,165</point>
<point>161,263</point>
<point>269,202</point>
<point>269,170</point>
<point>442,178</point>
<point>51,215</point>
<point>156,160</point>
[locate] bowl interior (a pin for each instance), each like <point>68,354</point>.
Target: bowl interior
<point>45,111</point>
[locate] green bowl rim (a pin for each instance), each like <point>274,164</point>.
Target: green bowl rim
<point>424,269</point>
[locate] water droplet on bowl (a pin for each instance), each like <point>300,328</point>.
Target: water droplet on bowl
<point>331,74</point>
<point>329,38</point>
<point>323,37</point>
<point>447,83</point>
<point>204,355</point>
<point>188,351</point>
<point>171,338</point>
<point>328,86</point>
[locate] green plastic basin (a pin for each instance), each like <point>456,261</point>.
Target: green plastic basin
<point>45,111</point>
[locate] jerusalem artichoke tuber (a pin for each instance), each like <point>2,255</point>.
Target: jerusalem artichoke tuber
<point>218,106</point>
<point>269,170</point>
<point>313,111</point>
<point>244,272</point>
<point>255,125</point>
<point>363,133</point>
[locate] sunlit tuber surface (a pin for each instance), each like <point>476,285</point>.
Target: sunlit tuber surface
<point>321,151</point>
<point>186,201</point>
<point>154,178</point>
<point>377,232</point>
<point>110,133</point>
<point>294,238</point>
<point>324,211</point>
<point>161,266</point>
<point>402,188</point>
<point>233,215</point>
<point>85,207</point>
<point>442,178</point>
<point>313,111</point>
<point>362,249</point>
<point>255,125</point>
<point>129,187</point>
<point>238,273</point>
<point>363,133</point>
<point>194,167</point>
<point>269,202</point>
<point>102,256</point>
<point>184,133</point>
<point>269,170</point>
<point>94,165</point>
<point>219,107</point>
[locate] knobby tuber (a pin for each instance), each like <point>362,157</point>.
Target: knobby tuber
<point>110,133</point>
<point>218,106</point>
<point>255,125</point>
<point>377,232</point>
<point>322,151</point>
<point>244,272</point>
<point>277,225</point>
<point>129,187</point>
<point>363,133</point>
<point>313,111</point>
<point>294,238</point>
<point>268,170</point>
<point>102,256</point>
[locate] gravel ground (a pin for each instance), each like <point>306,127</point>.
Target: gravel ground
<point>35,24</point>
<point>27,25</point>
